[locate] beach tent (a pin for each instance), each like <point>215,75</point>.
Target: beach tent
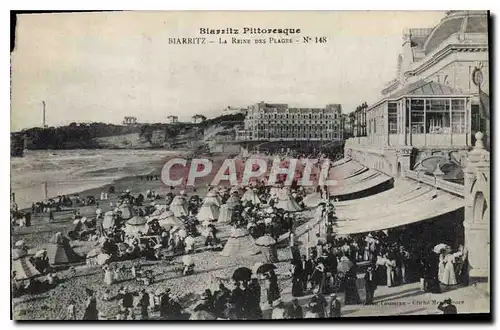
<point>213,197</point>
<point>287,202</point>
<point>240,244</point>
<point>126,210</point>
<point>179,206</point>
<point>313,199</point>
<point>22,265</point>
<point>251,196</point>
<point>208,211</point>
<point>267,246</point>
<point>135,225</point>
<point>167,218</point>
<point>60,251</point>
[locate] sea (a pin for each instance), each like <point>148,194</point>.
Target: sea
<point>71,171</point>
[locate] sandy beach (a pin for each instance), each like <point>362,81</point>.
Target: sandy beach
<point>209,264</point>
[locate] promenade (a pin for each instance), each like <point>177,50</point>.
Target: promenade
<point>405,299</point>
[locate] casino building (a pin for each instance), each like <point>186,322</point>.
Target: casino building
<point>432,126</point>
<point>279,122</point>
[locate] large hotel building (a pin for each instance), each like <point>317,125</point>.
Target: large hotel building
<point>279,122</point>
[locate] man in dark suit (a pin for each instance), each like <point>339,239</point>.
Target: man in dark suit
<point>447,307</point>
<point>370,285</point>
<point>307,270</point>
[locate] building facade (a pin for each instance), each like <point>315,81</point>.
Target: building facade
<point>274,122</point>
<point>129,120</point>
<point>435,111</point>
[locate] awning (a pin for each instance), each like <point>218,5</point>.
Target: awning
<point>340,162</point>
<point>384,207</point>
<point>366,180</point>
<point>346,169</point>
<point>401,187</point>
<point>424,207</point>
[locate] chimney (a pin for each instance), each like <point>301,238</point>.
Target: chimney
<point>43,114</point>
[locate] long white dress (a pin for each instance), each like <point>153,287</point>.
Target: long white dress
<point>391,266</point>
<point>448,276</point>
<point>108,277</point>
<point>441,267</point>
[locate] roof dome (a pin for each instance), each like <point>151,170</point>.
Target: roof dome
<point>457,22</point>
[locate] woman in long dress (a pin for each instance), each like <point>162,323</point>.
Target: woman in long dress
<point>351,290</point>
<point>441,266</point>
<point>273,291</point>
<point>391,270</point>
<point>318,277</point>
<point>90,307</point>
<point>108,275</point>
<point>448,276</point>
<point>296,271</point>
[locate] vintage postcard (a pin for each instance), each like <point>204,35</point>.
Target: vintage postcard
<point>250,165</point>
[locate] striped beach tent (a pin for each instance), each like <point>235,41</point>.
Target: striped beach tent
<point>240,244</point>
<point>209,211</point>
<point>179,206</point>
<point>22,266</point>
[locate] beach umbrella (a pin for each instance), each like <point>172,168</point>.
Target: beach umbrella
<point>202,315</point>
<point>344,265</point>
<point>438,248</point>
<point>19,244</point>
<point>187,260</point>
<point>103,258</point>
<point>265,268</point>
<point>182,233</point>
<point>265,240</point>
<point>256,266</point>
<point>242,274</point>
<point>40,253</point>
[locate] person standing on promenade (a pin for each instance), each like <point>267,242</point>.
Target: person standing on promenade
<point>335,306</point>
<point>370,285</point>
<point>447,307</point>
<point>295,310</point>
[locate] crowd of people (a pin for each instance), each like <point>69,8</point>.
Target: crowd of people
<point>332,267</point>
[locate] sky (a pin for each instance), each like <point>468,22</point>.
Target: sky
<point>100,67</point>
